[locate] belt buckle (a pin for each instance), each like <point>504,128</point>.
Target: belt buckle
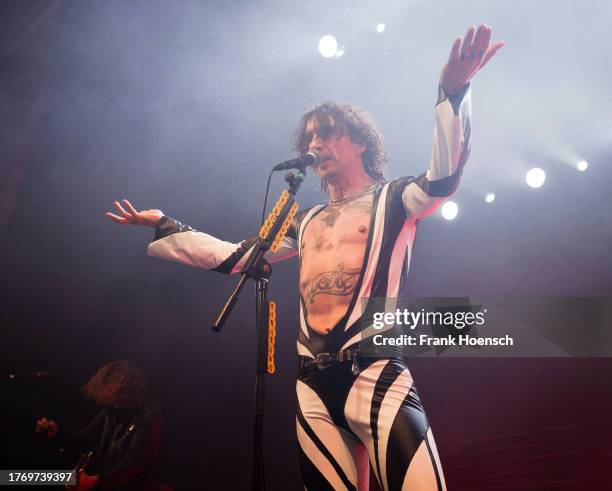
<point>323,361</point>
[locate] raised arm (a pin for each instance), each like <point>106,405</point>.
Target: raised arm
<point>451,138</point>
<point>181,243</point>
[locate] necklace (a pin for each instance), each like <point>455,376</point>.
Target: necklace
<point>347,199</point>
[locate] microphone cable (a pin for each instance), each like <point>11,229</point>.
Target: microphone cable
<point>263,212</point>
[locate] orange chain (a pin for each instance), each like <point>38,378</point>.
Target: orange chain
<point>285,228</point>
<point>271,336</point>
<point>269,223</point>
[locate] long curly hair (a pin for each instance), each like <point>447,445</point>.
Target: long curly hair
<point>351,120</point>
<point>118,383</point>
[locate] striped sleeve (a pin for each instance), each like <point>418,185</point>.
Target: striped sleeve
<point>177,242</point>
<point>451,147</point>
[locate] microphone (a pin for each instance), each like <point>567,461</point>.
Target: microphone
<point>311,158</point>
<point>28,377</point>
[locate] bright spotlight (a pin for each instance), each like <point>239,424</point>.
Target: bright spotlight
<point>582,165</point>
<point>449,210</point>
<point>490,197</point>
<point>535,177</point>
<point>340,51</point>
<point>328,46</point>
<point>380,28</point>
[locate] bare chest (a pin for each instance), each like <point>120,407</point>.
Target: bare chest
<point>337,228</point>
<point>332,252</point>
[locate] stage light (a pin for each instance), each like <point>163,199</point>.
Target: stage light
<point>380,28</point>
<point>582,165</point>
<point>449,210</point>
<point>535,177</point>
<point>328,46</point>
<point>490,197</point>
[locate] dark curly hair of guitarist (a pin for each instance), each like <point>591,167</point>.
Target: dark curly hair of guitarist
<point>117,383</point>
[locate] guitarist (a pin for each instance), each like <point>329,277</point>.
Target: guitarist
<point>125,437</point>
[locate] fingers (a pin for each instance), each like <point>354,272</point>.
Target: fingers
<point>131,209</point>
<point>134,216</point>
<point>44,424</point>
<point>130,216</point>
<point>474,46</point>
<point>491,52</point>
<point>121,210</point>
<point>454,54</point>
<point>467,57</point>
<point>481,41</point>
<point>467,43</point>
<point>118,219</point>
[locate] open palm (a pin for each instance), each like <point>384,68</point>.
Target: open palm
<point>467,57</point>
<point>130,216</point>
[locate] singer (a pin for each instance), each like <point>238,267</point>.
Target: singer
<point>358,245</point>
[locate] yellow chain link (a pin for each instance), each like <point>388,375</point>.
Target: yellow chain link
<point>272,217</point>
<point>271,336</point>
<point>285,228</point>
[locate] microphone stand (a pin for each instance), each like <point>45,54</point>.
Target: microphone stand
<point>258,269</point>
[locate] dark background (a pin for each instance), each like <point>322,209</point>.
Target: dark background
<point>183,106</point>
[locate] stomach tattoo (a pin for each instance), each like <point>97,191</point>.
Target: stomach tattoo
<point>338,282</point>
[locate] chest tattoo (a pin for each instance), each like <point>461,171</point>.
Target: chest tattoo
<point>361,206</point>
<point>340,282</point>
<point>330,217</point>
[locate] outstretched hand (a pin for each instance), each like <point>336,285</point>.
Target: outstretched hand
<point>148,218</point>
<point>467,57</point>
<point>47,427</point>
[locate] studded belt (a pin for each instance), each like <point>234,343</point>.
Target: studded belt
<point>325,360</point>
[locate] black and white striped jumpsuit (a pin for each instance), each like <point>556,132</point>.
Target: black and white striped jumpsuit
<point>344,418</point>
